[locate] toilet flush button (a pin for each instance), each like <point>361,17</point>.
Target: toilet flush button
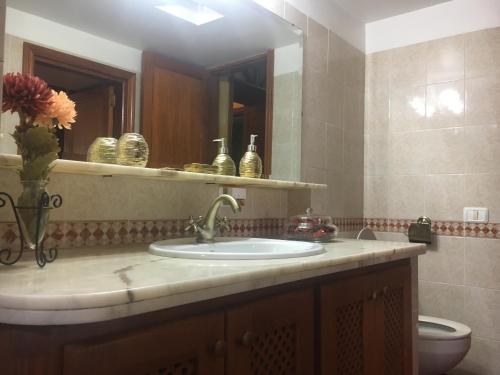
<point>476,215</point>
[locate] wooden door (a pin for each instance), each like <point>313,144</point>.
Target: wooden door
<point>188,347</point>
<point>394,317</point>
<point>175,118</point>
<point>347,326</point>
<point>272,336</point>
<point>94,119</point>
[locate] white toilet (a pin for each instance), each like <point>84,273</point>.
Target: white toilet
<point>442,344</point>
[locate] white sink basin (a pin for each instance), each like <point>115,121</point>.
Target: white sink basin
<point>235,248</point>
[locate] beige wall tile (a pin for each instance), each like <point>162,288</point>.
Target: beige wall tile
<point>444,151</point>
<point>298,201</point>
<point>482,312</point>
<point>408,66</point>
<point>407,153</point>
<point>353,109</point>
<point>334,149</point>
<point>353,153</point>
<point>482,263</point>
<point>482,98</point>
<point>406,197</point>
<point>313,144</point>
<point>376,157</point>
<point>444,261</point>
<point>375,196</point>
<point>314,175</point>
<point>315,98</point>
<point>334,100</point>
<point>441,300</point>
<point>482,52</point>
<point>316,47</point>
<point>483,358</point>
<point>444,196</point>
<point>481,190</point>
<point>335,195</point>
<point>266,203</point>
<point>446,59</point>
<point>355,66</point>
<point>408,109</point>
<point>353,196</point>
<point>377,111</point>
<point>483,149</point>
<point>378,71</point>
<point>337,59</point>
<point>445,105</point>
<point>296,17</point>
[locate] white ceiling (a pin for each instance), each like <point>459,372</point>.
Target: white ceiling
<point>246,29</point>
<point>373,10</point>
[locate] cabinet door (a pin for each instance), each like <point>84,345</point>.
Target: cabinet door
<point>189,347</point>
<point>272,336</point>
<point>347,329</point>
<point>394,321</point>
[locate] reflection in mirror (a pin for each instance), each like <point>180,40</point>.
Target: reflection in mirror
<point>217,69</point>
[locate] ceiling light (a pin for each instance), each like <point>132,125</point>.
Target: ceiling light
<point>190,11</point>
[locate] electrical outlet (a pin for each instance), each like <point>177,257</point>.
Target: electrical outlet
<point>479,215</point>
<point>240,194</point>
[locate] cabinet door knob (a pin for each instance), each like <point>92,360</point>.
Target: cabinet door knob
<point>373,296</point>
<point>248,338</point>
<point>385,290</point>
<point>219,348</point>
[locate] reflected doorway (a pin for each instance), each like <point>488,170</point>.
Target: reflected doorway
<point>104,96</point>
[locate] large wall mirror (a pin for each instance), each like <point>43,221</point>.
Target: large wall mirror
<point>180,72</point>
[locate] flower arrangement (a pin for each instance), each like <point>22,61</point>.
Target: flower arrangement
<point>40,111</point>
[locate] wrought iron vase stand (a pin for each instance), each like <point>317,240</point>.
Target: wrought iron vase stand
<point>47,202</point>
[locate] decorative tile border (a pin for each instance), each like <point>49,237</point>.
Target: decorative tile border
<point>99,233</point>
<point>440,228</point>
<point>74,234</point>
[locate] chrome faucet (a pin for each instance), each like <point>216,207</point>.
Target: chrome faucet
<point>206,227</point>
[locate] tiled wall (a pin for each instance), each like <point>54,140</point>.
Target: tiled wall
<point>332,119</point>
<point>432,147</point>
<point>139,205</point>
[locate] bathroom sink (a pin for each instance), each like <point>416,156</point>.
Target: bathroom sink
<point>235,248</point>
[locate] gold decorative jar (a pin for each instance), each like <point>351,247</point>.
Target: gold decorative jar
<point>102,150</point>
<point>132,150</point>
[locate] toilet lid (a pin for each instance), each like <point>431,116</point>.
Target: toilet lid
<point>432,328</point>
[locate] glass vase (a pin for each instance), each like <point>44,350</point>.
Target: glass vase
<point>34,215</point>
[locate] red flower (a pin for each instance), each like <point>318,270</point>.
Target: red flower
<point>25,94</point>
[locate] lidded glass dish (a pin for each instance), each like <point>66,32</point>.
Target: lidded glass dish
<point>311,227</point>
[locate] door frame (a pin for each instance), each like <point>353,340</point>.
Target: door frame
<point>268,56</point>
<point>33,53</point>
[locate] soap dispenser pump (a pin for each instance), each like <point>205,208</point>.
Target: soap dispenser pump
<point>250,163</point>
<point>224,163</point>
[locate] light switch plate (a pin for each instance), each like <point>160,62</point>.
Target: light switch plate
<point>479,215</point>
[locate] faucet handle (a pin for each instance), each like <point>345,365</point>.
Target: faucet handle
<point>193,224</point>
<point>223,224</point>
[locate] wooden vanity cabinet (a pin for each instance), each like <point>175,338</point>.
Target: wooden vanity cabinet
<point>185,347</point>
<point>350,323</point>
<point>366,324</point>
<point>272,336</point>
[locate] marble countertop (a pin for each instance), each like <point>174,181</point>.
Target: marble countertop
<point>91,285</point>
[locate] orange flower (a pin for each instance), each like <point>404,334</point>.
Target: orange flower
<point>61,111</point>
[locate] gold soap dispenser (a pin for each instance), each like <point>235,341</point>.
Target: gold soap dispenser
<point>224,163</point>
<point>250,163</point>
